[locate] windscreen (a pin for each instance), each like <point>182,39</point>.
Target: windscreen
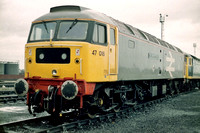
<point>42,31</point>
<point>59,30</point>
<point>72,30</point>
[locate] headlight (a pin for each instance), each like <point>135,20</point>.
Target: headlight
<point>69,90</point>
<point>21,87</point>
<point>55,72</point>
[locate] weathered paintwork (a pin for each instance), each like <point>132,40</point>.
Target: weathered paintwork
<point>144,60</point>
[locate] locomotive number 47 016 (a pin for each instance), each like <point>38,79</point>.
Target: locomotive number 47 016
<point>100,53</point>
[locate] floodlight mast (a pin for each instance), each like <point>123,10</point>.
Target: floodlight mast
<point>162,20</point>
<point>194,45</point>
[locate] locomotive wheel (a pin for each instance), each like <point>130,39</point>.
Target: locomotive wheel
<point>91,115</point>
<point>92,112</point>
<point>172,91</point>
<point>140,95</point>
<point>117,109</point>
<point>121,100</point>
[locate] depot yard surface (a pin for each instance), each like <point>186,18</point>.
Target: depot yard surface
<point>180,114</point>
<point>11,112</point>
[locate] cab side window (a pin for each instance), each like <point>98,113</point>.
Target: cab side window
<point>190,61</point>
<point>112,36</point>
<point>99,34</point>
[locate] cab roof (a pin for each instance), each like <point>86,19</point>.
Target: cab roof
<point>73,12</point>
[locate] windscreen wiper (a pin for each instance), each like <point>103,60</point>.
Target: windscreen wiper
<point>72,25</point>
<point>45,26</point>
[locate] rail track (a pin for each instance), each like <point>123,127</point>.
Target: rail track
<point>66,122</point>
<point>7,87</point>
<point>7,93</point>
<point>11,98</point>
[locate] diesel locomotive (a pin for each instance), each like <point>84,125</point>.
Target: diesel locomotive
<point>81,60</point>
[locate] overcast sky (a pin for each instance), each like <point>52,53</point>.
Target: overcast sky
<point>182,26</point>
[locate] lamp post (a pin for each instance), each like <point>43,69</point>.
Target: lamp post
<point>194,45</point>
<point>162,20</point>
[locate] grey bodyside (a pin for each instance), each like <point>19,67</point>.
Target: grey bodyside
<point>143,60</point>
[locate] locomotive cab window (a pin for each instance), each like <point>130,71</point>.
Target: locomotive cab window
<point>99,34</point>
<point>112,36</point>
<point>42,31</point>
<point>73,30</point>
<point>190,61</point>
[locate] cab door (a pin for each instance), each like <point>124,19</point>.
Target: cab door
<point>190,66</point>
<point>113,52</point>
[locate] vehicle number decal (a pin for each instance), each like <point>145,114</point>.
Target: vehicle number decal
<point>100,53</point>
<point>94,52</point>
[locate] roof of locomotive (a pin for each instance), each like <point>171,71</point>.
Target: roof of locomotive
<point>74,12</point>
<point>71,11</point>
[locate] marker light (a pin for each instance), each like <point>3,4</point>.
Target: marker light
<point>54,72</point>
